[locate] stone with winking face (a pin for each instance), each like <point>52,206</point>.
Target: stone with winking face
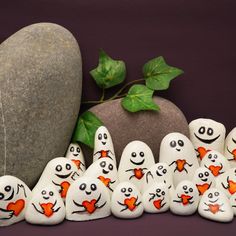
<point>136,159</point>
<point>207,135</point>
<point>230,147</point>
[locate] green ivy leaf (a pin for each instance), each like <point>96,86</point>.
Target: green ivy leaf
<point>86,127</point>
<point>158,74</point>
<point>139,98</point>
<point>109,72</point>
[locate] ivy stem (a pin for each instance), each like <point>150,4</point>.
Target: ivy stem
<point>103,95</point>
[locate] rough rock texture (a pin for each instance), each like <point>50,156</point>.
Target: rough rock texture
<point>147,126</point>
<point>40,90</point>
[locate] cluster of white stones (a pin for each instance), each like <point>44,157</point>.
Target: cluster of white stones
<point>196,174</point>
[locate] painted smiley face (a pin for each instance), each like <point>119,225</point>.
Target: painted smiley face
<point>63,172</point>
<point>187,189</point>
<point>126,191</point>
<point>160,171</point>
<point>74,150</point>
<point>213,196</point>
<point>106,167</point>
<point>160,192</point>
<point>213,157</point>
<point>137,158</point>
<point>206,135</point>
<point>203,176</point>
<point>88,188</point>
<point>7,193</point>
<point>46,194</point>
<point>177,144</point>
<point>102,135</point>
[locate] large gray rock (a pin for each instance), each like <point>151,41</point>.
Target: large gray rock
<point>147,126</point>
<point>40,90</point>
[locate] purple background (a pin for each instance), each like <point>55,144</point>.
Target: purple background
<point>197,36</point>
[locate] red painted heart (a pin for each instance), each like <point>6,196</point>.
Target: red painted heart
<point>130,202</point>
<point>16,207</point>
<point>89,206</point>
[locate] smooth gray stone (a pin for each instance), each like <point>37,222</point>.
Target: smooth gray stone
<point>148,126</point>
<point>40,92</point>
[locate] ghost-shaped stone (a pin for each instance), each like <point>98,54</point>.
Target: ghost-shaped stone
<point>230,147</point>
<point>214,205</point>
<point>156,199</point>
<point>60,172</point>
<point>46,207</point>
<point>75,154</point>
<point>87,199</point>
<point>136,159</point>
<point>105,170</point>
<point>158,173</point>
<point>227,182</point>
<point>14,198</point>
<point>215,162</point>
<point>178,152</point>
<point>233,203</point>
<point>103,145</point>
<point>203,179</point>
<point>207,135</point>
<point>126,201</point>
<point>185,199</point>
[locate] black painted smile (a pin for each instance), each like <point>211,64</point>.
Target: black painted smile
<point>103,143</point>
<point>12,195</point>
<point>158,173</point>
<point>213,201</point>
<point>204,180</point>
<point>64,176</point>
<point>137,163</point>
<point>88,193</point>
<point>127,194</point>
<point>105,172</point>
<point>208,141</point>
<point>46,198</point>
<point>76,154</point>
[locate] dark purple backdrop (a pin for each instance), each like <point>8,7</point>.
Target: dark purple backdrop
<point>197,36</point>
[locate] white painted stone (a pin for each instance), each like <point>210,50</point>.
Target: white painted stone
<point>230,147</point>
<point>185,199</point>
<point>233,203</point>
<point>136,159</point>
<point>14,198</point>
<point>46,207</point>
<point>214,205</point>
<point>207,135</point>
<point>215,162</point>
<point>103,145</point>
<point>156,199</point>
<point>227,182</point>
<point>158,173</point>
<point>87,199</point>
<point>178,152</point>
<point>105,170</point>
<point>203,179</point>
<point>60,172</point>
<point>126,201</point>
<point>75,154</point>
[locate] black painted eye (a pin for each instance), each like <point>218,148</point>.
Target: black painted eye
<point>210,131</point>
<point>51,193</point>
<point>200,175</point>
<point>206,173</point>
<point>141,154</point>
<point>235,171</point>
<point>159,167</point>
<point>210,195</point>
<point>43,192</point>
<point>123,190</point>
<point>190,190</point>
<point>164,171</point>
<point>209,156</point>
<point>58,168</point>
<point>7,188</point>
<point>173,144</point>
<point>163,193</point>
<point>1,196</point>
<point>103,164</point>
<point>215,156</point>
<point>100,137</point>
<point>78,149</point>
<point>185,187</point>
<point>68,166</point>
<point>93,187</point>
<point>105,136</point>
<point>158,190</point>
<point>216,194</point>
<point>72,149</point>
<point>82,187</point>
<point>110,167</point>
<point>130,190</point>
<point>133,154</point>
<point>202,130</point>
<point>181,143</point>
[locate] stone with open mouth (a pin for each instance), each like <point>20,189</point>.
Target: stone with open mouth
<point>207,135</point>
<point>136,159</point>
<point>230,147</point>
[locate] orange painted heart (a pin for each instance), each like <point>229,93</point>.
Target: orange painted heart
<point>215,170</point>
<point>157,203</point>
<point>232,187</point>
<point>64,188</point>
<point>77,163</point>
<point>234,154</point>
<point>202,188</point>
<point>138,173</point>
<point>130,202</point>
<point>16,207</point>
<point>202,152</point>
<point>47,209</point>
<point>106,181</point>
<point>214,208</point>
<point>180,164</point>
<point>104,153</point>
<point>185,199</point>
<point>89,205</point>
